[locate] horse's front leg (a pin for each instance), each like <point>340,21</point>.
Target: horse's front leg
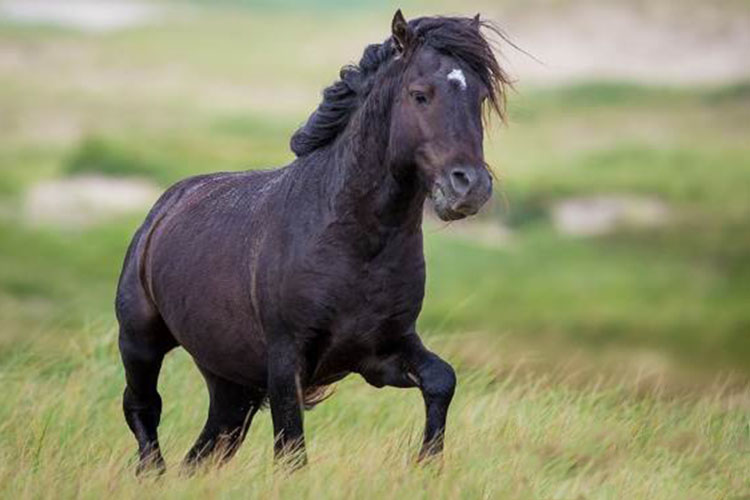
<point>284,394</point>
<point>437,380</point>
<point>413,365</point>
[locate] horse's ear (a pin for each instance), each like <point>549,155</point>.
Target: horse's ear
<point>475,22</point>
<point>402,33</point>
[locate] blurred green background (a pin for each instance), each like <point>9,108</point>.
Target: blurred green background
<point>619,233</point>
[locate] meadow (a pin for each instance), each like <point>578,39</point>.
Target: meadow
<point>614,365</point>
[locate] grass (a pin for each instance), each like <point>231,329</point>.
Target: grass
<point>615,366</point>
<point>512,434</point>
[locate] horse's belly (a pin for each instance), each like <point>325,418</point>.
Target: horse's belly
<point>204,303</point>
<point>223,340</point>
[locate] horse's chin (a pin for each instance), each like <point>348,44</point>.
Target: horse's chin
<point>444,213</point>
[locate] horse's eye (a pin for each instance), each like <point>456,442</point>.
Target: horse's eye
<point>420,97</point>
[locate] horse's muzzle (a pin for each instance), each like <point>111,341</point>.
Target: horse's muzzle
<point>461,192</point>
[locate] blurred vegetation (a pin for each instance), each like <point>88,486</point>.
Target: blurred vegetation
<point>207,91</point>
<point>680,289</point>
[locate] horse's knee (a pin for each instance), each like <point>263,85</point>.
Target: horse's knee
<point>437,379</point>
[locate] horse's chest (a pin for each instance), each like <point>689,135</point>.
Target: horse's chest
<point>382,297</point>
<point>356,307</point>
<point>369,320</point>
<point>338,287</point>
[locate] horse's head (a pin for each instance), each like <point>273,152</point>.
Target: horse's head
<point>436,123</point>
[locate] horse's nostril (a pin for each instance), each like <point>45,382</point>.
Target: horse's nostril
<point>462,180</point>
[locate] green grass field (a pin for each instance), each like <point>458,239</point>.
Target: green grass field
<point>611,366</point>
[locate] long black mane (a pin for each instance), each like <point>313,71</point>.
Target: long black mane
<point>458,37</point>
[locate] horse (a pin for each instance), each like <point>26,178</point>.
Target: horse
<point>281,282</point>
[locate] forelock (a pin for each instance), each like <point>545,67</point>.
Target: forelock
<point>462,38</point>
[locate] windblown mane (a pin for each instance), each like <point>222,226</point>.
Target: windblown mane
<point>458,37</point>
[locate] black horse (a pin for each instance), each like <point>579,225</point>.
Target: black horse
<point>281,282</point>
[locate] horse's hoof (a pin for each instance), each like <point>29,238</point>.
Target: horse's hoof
<point>291,461</point>
<point>151,466</point>
<point>430,455</point>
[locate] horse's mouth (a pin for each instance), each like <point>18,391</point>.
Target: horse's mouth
<point>448,209</point>
<point>444,208</point>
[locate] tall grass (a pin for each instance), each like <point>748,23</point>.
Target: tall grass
<point>519,435</point>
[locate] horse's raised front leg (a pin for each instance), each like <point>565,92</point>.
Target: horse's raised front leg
<point>415,366</point>
<point>285,397</point>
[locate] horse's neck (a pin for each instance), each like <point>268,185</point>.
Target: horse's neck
<point>364,188</point>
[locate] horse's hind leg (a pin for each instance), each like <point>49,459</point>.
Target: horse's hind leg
<point>142,350</point>
<point>231,409</point>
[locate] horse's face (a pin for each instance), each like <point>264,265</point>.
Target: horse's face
<point>437,127</point>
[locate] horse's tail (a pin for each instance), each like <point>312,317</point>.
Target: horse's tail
<point>316,394</point>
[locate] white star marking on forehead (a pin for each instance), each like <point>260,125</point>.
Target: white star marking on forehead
<point>458,76</point>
